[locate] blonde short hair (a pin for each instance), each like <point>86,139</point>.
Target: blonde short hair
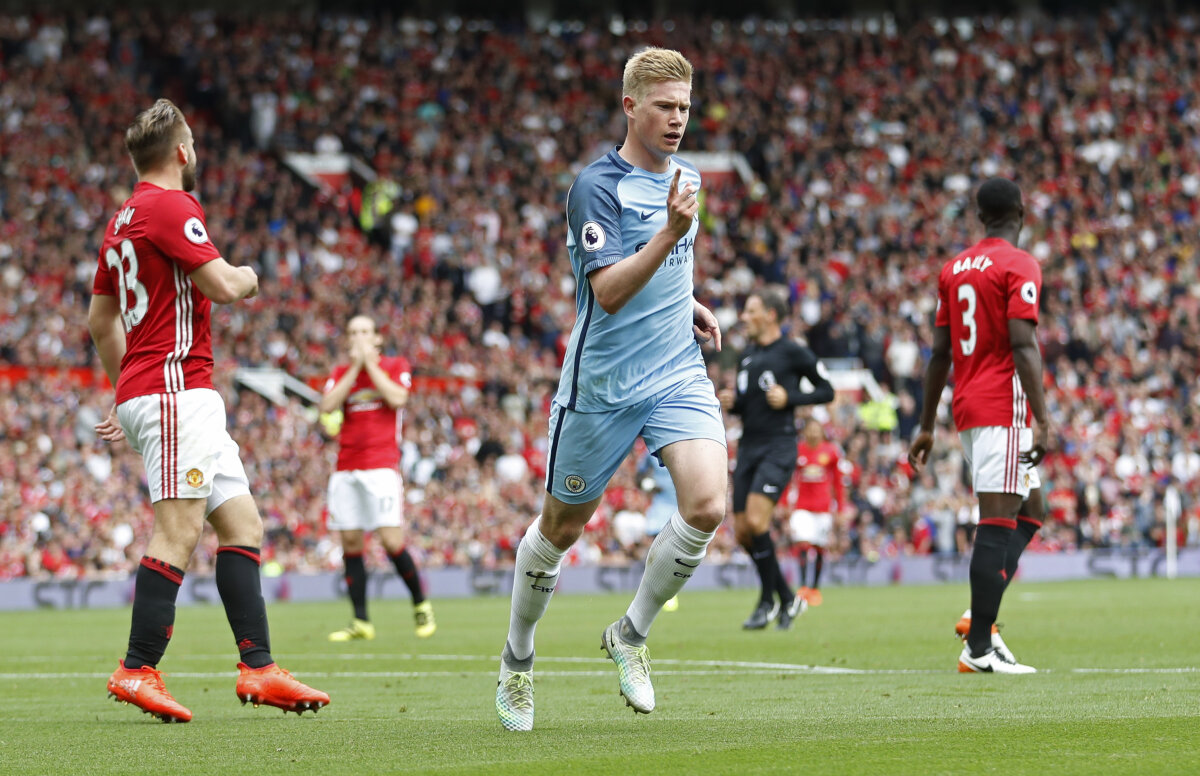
<point>153,134</point>
<point>651,66</point>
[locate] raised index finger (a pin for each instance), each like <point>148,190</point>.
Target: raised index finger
<point>674,184</point>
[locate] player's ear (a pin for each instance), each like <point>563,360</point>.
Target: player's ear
<point>628,103</point>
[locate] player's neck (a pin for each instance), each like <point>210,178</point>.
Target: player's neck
<point>164,179</point>
<point>1007,234</point>
<point>636,154</point>
<point>769,337</point>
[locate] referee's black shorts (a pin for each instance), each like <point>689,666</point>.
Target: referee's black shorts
<point>763,467</point>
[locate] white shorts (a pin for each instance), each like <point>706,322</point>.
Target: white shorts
<point>992,456</point>
<point>365,499</point>
<point>184,446</point>
<point>811,527</point>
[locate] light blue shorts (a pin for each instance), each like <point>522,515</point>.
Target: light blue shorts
<point>586,448</point>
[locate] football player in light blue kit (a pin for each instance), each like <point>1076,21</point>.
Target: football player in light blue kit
<point>633,368</point>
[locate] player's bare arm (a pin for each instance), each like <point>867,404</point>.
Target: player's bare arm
<point>704,325</point>
<point>104,324</point>
<point>335,397</point>
<point>616,284</point>
<point>224,283</point>
<point>1027,358</point>
<point>935,380</point>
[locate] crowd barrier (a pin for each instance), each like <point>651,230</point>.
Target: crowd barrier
<point>27,594</point>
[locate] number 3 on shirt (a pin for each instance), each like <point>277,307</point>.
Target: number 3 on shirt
<point>966,294</point>
<point>128,284</point>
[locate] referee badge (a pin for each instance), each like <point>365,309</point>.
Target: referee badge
<point>574,483</point>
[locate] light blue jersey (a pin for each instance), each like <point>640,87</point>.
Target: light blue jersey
<point>613,361</point>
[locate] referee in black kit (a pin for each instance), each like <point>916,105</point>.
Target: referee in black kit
<point>767,393</point>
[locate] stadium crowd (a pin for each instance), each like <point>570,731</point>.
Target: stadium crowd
<point>866,139</point>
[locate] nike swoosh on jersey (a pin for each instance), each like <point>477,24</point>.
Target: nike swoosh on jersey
<point>646,216</point>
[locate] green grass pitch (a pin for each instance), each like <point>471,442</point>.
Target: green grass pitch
<point>864,684</point>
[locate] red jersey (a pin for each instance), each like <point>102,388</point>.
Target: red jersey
<point>978,292</point>
<point>151,245</point>
<point>818,479</point>
<point>370,435</point>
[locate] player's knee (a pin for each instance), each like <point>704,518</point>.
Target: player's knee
<point>562,533</point>
<point>392,540</point>
<point>562,525</point>
<point>237,522</point>
<point>181,535</point>
<point>251,532</point>
<point>251,527</point>
<point>707,516</point>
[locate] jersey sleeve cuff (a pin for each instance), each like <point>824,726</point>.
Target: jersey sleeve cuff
<point>600,262</point>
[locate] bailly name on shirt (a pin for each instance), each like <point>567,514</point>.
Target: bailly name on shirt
<point>980,263</point>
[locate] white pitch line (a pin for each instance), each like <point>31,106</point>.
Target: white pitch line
<point>729,671</point>
<point>485,659</point>
<point>395,674</point>
<point>1135,670</point>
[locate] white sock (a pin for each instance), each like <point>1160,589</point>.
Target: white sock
<point>670,563</point>
<point>534,580</point>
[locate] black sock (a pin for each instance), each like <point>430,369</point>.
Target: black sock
<point>803,567</point>
<point>817,566</point>
<point>1027,527</point>
<point>356,583</point>
<point>156,587</point>
<point>988,579</point>
<point>762,550</point>
<point>786,594</point>
<point>241,591</point>
<point>407,569</point>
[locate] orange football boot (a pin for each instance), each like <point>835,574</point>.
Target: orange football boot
<point>273,686</point>
<point>144,688</point>
<point>964,626</point>
<point>813,596</point>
